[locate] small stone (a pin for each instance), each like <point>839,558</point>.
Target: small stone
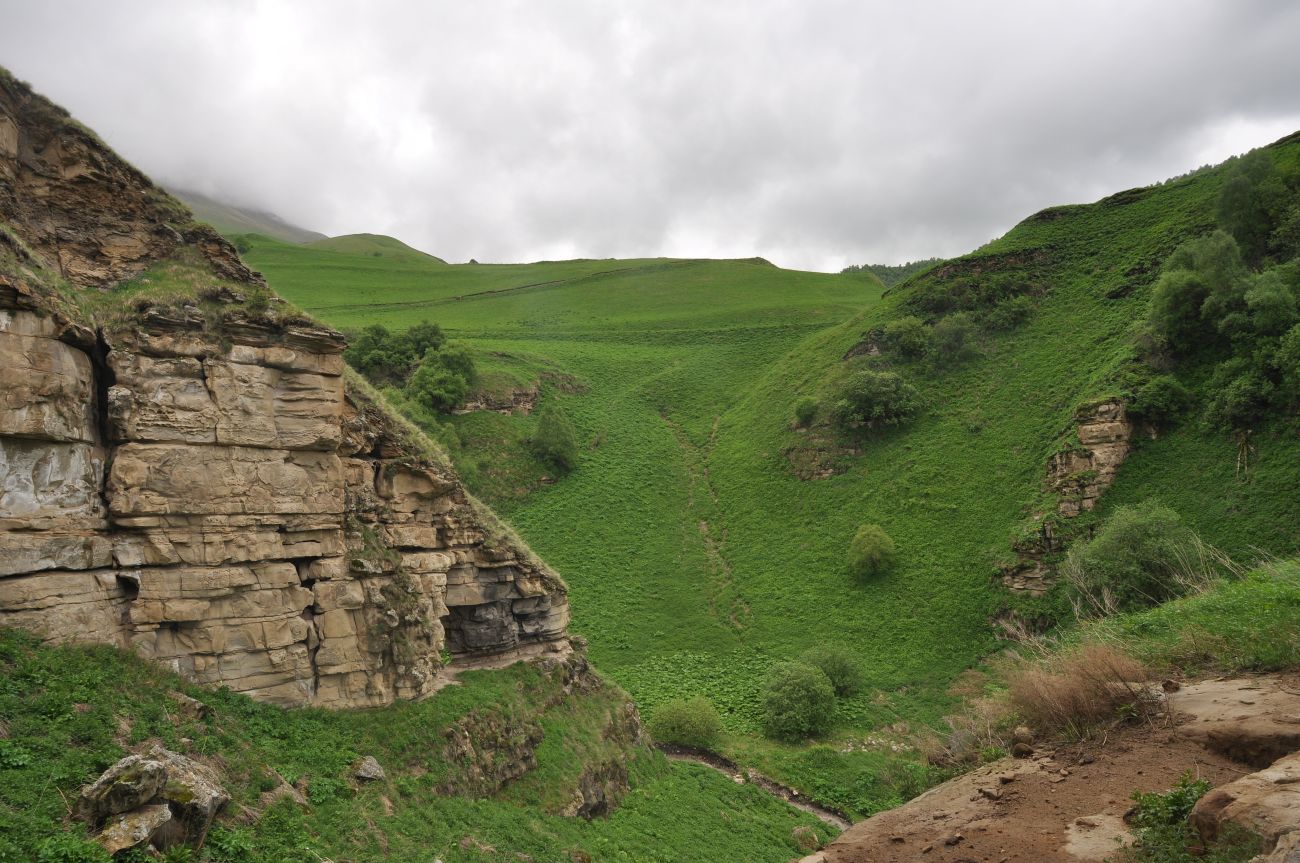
<point>1171,686</point>
<point>369,770</point>
<point>953,839</point>
<point>1023,734</point>
<point>1022,750</point>
<point>1007,778</point>
<point>991,793</point>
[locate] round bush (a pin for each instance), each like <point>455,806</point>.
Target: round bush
<point>871,553</point>
<point>555,440</point>
<point>1160,401</point>
<point>799,701</point>
<point>907,336</point>
<point>804,412</point>
<point>838,664</point>
<point>874,399</point>
<point>687,722</point>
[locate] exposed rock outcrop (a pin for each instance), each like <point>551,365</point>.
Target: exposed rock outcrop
<point>198,481</point>
<point>1077,476</point>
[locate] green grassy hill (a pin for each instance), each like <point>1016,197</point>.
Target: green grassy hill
<point>704,537</point>
<point>374,245</point>
<point>230,220</point>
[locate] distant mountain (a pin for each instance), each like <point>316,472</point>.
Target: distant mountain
<point>893,274</point>
<point>230,219</point>
<point>375,245</point>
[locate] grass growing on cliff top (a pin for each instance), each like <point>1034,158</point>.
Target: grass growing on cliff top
<point>61,726</point>
<point>697,552</point>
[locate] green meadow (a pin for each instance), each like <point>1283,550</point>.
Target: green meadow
<point>703,536</point>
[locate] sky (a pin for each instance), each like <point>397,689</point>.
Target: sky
<point>815,133</point>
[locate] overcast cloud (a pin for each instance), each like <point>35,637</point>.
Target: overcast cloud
<point>816,134</point>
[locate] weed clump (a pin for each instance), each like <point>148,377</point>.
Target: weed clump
<point>690,722</point>
<point>1074,691</point>
<point>799,701</point>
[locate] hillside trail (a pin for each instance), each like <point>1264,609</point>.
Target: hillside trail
<point>726,604</point>
<point>1067,804</point>
<point>741,775</point>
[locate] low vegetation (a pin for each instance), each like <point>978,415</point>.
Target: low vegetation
<point>1164,835</point>
<point>692,722</point>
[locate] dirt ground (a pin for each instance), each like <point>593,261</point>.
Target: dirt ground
<point>1067,803</point>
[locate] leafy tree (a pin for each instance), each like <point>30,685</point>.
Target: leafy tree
<point>436,386</point>
<point>1160,401</point>
<point>907,336</point>
<point>1272,300</point>
<point>1251,203</point>
<point>839,665</point>
<point>555,439</point>
<point>871,552</point>
<point>874,399</point>
<point>687,722</point>
<point>1240,395</point>
<point>1009,313</point>
<point>798,702</point>
<point>1287,361</point>
<point>423,337</point>
<point>952,339</point>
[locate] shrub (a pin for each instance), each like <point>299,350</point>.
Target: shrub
<point>436,387</point>
<point>1175,314</point>
<point>839,665</point>
<point>1074,691</point>
<point>1164,833</point>
<point>951,339</point>
<point>1287,360</point>
<point>1009,313</point>
<point>1139,558</point>
<point>804,412</point>
<point>687,722</point>
<point>907,336</point>
<point>799,701</point>
<point>873,399</point>
<point>1160,401</point>
<point>555,440</point>
<point>871,552</point>
<point>1240,396</point>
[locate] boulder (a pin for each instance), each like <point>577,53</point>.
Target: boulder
<point>128,784</point>
<point>1266,803</point>
<point>369,770</point>
<point>135,828</point>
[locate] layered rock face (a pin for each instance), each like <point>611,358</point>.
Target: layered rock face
<point>223,504</point>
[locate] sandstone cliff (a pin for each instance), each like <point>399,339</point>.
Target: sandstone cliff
<point>195,476</point>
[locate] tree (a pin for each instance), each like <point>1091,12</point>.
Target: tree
<point>555,440</point>
<point>1251,203</point>
<point>874,399</point>
<point>798,702</point>
<point>437,387</point>
<point>838,664</point>
<point>871,552</point>
<point>951,339</point>
<point>907,336</point>
<point>690,722</point>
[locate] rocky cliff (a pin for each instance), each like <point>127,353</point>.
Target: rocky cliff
<point>192,474</point>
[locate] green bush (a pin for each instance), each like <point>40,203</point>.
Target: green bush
<point>687,722</point>
<point>1009,313</point>
<point>1139,558</point>
<point>798,702</point>
<point>1287,360</point>
<point>1164,833</point>
<point>435,387</point>
<point>555,440</point>
<point>907,336</point>
<point>871,552</point>
<point>839,665</point>
<point>1240,396</point>
<point>952,339</point>
<point>873,399</point>
<point>1160,401</point>
<point>805,410</point>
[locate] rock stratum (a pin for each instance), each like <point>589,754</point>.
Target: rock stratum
<point>203,482</point>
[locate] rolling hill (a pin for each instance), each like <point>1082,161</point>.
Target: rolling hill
<point>230,219</point>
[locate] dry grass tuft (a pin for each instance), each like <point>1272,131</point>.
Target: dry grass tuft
<point>1073,692</point>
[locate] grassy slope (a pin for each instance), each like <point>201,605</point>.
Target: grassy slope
<point>695,555</point>
<point>62,727</point>
<point>375,245</point>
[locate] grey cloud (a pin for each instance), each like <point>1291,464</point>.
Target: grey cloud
<point>814,133</point>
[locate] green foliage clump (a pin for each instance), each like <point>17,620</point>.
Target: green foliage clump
<point>387,357</point>
<point>1132,562</point>
<point>690,722</point>
<point>1160,401</point>
<point>872,399</point>
<point>1240,395</point>
<point>1009,313</point>
<point>871,552</point>
<point>907,336</point>
<point>839,665</point>
<point>443,378</point>
<point>1252,202</point>
<point>1164,834</point>
<point>798,702</point>
<point>69,848</point>
<point>952,339</point>
<point>805,411</point>
<point>555,440</point>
